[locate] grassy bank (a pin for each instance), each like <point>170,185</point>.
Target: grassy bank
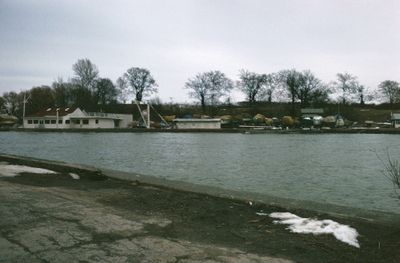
<point>352,112</point>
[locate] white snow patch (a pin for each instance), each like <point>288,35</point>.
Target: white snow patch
<point>74,176</point>
<point>298,224</point>
<point>11,170</point>
<point>261,214</point>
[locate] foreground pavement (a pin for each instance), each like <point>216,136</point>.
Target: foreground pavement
<point>41,224</point>
<point>55,218</point>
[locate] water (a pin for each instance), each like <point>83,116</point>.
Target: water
<point>337,169</point>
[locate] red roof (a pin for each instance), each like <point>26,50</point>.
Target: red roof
<point>53,112</point>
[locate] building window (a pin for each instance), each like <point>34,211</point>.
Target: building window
<point>76,121</point>
<point>46,121</point>
<point>59,121</point>
<point>29,121</point>
<point>53,121</point>
<point>97,121</point>
<point>85,121</point>
<point>67,121</point>
<point>41,122</point>
<point>35,121</point>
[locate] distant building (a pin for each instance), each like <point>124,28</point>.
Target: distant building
<point>197,123</point>
<point>311,112</point>
<point>395,120</point>
<point>66,118</point>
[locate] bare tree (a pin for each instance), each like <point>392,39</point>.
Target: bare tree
<point>361,90</point>
<point>391,170</point>
<point>139,81</point>
<point>209,87</point>
<point>62,93</point>
<point>391,90</point>
<point>12,102</point>
<point>198,90</point>
<point>122,89</point>
<point>2,105</point>
<point>253,85</point>
<point>271,84</point>
<point>40,98</point>
<point>86,73</point>
<point>219,84</point>
<point>291,80</point>
<point>320,95</point>
<point>347,84</point>
<point>309,85</point>
<point>82,97</point>
<point>106,92</point>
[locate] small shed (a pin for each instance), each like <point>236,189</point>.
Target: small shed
<point>395,120</point>
<point>197,123</point>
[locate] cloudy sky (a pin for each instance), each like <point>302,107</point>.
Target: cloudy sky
<point>176,39</point>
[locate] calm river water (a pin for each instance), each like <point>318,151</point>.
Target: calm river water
<point>329,168</point>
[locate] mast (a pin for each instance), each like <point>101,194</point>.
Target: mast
<point>148,115</point>
<point>57,117</point>
<point>23,110</point>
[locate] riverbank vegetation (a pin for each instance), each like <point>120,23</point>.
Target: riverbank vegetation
<point>274,94</point>
<point>391,171</point>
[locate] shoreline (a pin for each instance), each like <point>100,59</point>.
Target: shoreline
<point>222,130</point>
<point>95,173</point>
<point>102,216</point>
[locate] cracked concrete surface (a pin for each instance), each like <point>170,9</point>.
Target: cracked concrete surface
<point>56,224</point>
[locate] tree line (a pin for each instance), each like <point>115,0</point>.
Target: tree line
<point>87,90</point>
<point>295,86</point>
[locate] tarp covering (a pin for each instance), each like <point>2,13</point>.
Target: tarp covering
<point>268,121</point>
<point>287,121</point>
<point>329,119</point>
<point>169,118</point>
<point>226,117</point>
<point>259,117</point>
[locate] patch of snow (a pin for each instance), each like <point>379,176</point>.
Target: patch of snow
<point>298,224</point>
<point>74,176</point>
<point>11,170</point>
<point>261,214</point>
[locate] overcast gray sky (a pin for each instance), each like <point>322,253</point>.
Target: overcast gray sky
<point>176,39</point>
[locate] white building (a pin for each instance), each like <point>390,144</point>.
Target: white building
<point>65,118</point>
<point>395,119</point>
<point>197,123</point>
